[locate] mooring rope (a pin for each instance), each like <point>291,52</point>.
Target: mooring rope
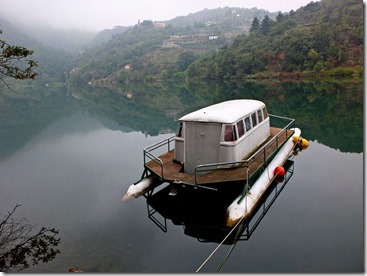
<point>219,245</point>
<point>230,250</point>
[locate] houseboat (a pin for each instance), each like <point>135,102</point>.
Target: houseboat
<point>230,142</point>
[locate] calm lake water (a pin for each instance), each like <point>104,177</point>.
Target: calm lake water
<point>68,156</point>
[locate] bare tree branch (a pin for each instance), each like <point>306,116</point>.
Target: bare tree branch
<point>20,247</point>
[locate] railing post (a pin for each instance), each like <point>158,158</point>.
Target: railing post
<point>246,188</point>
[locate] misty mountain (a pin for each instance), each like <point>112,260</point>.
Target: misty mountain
<point>218,20</point>
<point>159,48</point>
<point>217,45</point>
<point>107,34</point>
<point>12,35</point>
<point>52,63</point>
<point>66,39</point>
<point>220,38</point>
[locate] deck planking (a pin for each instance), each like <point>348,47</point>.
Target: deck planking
<point>172,170</point>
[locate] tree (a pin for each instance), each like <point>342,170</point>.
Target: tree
<point>10,62</point>
<point>280,17</point>
<point>265,25</point>
<point>255,25</point>
<point>20,247</point>
<point>148,23</point>
<point>185,59</point>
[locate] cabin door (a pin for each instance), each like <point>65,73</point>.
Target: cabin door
<point>202,142</point>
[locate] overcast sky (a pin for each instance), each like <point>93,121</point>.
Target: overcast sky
<point>96,15</point>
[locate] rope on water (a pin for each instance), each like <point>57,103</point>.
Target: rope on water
<point>230,250</point>
<point>219,245</point>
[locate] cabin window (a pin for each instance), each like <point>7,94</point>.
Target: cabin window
<point>229,133</point>
<point>240,128</point>
<point>247,123</point>
<point>254,121</point>
<point>259,116</point>
<point>265,112</point>
<point>179,133</point>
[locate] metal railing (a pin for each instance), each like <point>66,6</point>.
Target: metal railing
<point>262,155</point>
<point>204,168</point>
<point>148,152</point>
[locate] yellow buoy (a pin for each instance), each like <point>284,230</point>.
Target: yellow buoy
<point>303,143</point>
<point>300,142</point>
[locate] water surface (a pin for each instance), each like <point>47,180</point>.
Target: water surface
<point>67,158</point>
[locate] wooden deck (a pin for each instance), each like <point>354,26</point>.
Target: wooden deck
<point>171,171</point>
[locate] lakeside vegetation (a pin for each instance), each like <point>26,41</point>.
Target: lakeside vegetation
<point>328,112</point>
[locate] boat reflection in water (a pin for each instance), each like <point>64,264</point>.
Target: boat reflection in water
<point>204,215</point>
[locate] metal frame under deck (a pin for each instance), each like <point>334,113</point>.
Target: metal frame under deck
<point>249,225</point>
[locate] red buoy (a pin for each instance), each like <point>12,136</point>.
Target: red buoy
<point>279,171</point>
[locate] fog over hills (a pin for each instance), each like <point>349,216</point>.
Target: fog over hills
<point>71,25</point>
<point>98,15</point>
<point>74,40</point>
<point>66,39</point>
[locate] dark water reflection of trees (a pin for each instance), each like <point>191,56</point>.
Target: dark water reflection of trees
<point>330,112</point>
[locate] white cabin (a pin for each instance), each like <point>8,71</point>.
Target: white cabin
<point>224,132</point>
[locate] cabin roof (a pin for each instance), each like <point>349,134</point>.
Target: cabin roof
<point>224,112</point>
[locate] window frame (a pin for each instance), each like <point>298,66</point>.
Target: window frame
<point>233,133</point>
<point>248,126</point>
<point>254,118</point>
<point>260,117</point>
<point>239,129</point>
<point>180,132</point>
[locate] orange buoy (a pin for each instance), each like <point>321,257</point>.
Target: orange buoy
<point>279,171</point>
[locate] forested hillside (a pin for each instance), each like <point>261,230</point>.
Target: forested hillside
<point>161,50</point>
<point>322,38</point>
